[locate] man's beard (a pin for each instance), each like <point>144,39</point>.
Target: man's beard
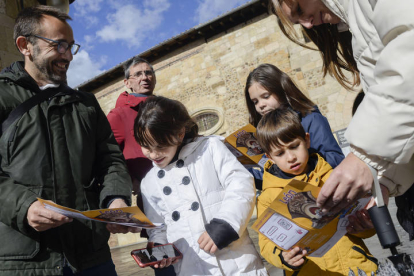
<point>45,69</point>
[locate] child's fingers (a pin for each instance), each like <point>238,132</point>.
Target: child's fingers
<point>359,222</point>
<point>168,262</point>
<point>294,257</point>
<point>203,244</point>
<point>209,246</point>
<point>354,226</point>
<point>364,218</point>
<point>202,237</point>
<point>213,248</point>
<point>202,241</point>
<point>297,262</point>
<point>163,263</point>
<point>293,252</point>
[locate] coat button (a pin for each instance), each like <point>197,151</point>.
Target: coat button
<point>317,179</point>
<point>175,215</point>
<point>195,206</point>
<point>186,180</point>
<point>167,190</point>
<point>180,163</point>
<point>161,173</point>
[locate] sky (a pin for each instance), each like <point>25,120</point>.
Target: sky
<point>112,31</point>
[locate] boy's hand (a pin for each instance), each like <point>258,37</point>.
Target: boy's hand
<point>294,257</point>
<point>206,243</point>
<point>359,222</point>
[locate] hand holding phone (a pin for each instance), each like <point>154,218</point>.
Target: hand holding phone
<point>159,256</point>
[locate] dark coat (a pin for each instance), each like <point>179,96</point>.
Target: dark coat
<point>55,151</point>
<point>322,140</point>
<point>121,119</point>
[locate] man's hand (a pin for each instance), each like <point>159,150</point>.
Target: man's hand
<point>350,181</point>
<point>206,243</point>
<point>294,257</point>
<point>42,219</point>
<point>116,228</point>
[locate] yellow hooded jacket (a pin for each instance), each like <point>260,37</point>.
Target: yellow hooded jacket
<point>349,253</point>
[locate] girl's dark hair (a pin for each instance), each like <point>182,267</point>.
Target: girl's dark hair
<point>280,125</point>
<point>335,47</point>
<point>279,84</point>
<point>161,120</point>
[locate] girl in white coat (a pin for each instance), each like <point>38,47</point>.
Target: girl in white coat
<point>199,190</point>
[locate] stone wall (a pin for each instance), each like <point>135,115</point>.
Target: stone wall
<point>212,74</point>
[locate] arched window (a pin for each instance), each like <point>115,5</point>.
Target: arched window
<point>209,120</point>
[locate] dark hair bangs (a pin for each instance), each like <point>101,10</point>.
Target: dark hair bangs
<point>161,121</point>
<point>279,126</point>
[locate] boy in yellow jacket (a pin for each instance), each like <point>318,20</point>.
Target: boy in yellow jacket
<point>283,139</point>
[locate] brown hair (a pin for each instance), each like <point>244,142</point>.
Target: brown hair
<point>335,47</point>
<point>161,120</point>
<point>28,21</point>
<point>282,125</point>
<point>279,84</point>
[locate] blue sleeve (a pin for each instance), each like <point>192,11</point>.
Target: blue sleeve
<point>258,177</point>
<point>322,140</point>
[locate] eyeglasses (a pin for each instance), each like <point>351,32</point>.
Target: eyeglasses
<point>62,46</point>
<point>140,74</point>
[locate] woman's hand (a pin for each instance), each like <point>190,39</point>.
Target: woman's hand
<point>348,182</point>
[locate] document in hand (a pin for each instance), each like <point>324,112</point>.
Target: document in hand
<point>128,216</point>
<point>293,219</point>
<point>243,144</point>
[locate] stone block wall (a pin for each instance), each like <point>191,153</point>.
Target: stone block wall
<point>213,73</point>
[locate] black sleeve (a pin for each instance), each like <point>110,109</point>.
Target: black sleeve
<point>221,233</point>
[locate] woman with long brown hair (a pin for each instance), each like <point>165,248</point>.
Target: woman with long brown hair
<point>373,41</point>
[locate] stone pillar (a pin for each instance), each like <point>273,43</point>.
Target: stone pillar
<point>8,13</point>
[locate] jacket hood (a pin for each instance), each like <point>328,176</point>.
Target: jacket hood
<point>16,73</point>
<point>339,8</point>
<point>321,169</point>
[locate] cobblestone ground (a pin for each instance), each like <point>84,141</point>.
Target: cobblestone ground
<point>126,266</point>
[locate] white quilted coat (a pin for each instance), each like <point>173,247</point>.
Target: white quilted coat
<point>221,188</point>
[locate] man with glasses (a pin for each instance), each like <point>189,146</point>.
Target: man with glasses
<point>140,79</point>
<point>60,149</point>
